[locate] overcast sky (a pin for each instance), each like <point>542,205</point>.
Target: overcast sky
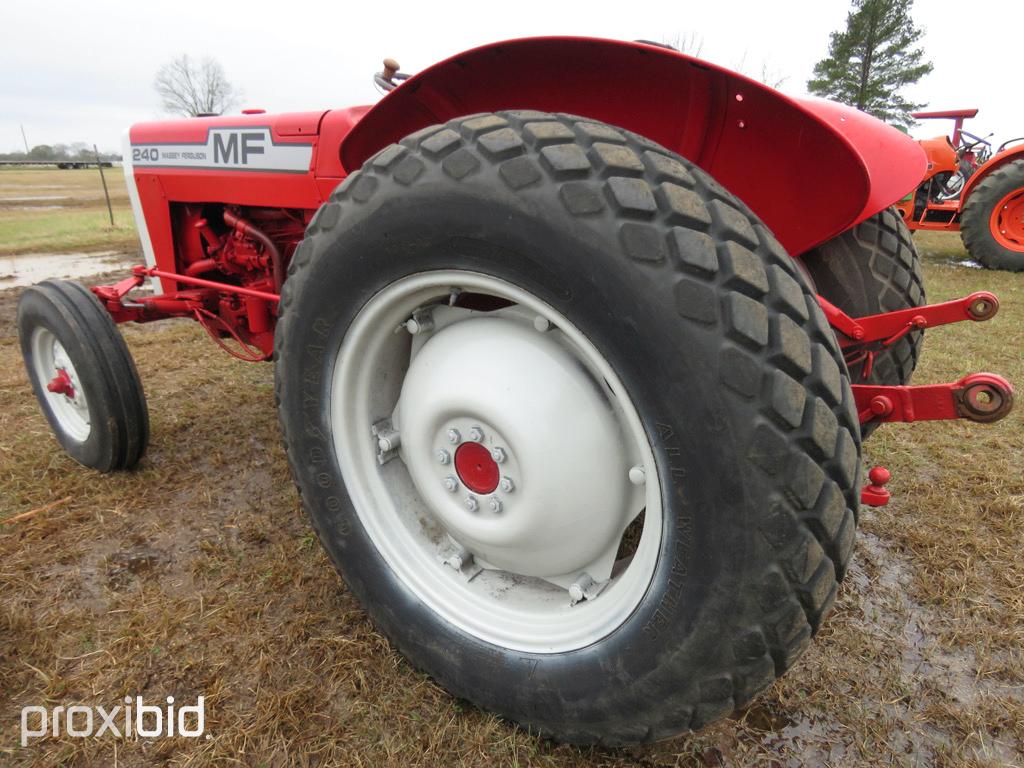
<point>84,71</point>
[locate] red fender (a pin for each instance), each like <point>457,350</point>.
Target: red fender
<point>1006,156</point>
<point>808,168</point>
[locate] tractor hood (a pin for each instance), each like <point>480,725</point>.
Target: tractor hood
<point>247,142</point>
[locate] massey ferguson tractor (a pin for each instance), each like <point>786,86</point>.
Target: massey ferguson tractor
<point>575,345</point>
<point>968,188</point>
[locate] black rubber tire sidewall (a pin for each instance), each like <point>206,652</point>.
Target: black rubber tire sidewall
<point>717,615</point>
<point>870,269</point>
<point>975,221</point>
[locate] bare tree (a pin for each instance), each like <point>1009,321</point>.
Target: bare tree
<point>691,43</point>
<point>191,89</point>
<point>771,76</point>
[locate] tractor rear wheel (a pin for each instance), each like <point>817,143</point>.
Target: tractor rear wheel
<point>83,375</point>
<point>872,268</point>
<point>570,423</point>
<point>992,223</point>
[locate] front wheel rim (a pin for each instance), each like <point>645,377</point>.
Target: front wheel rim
<point>388,460</point>
<point>68,403</point>
<point>1007,222</point>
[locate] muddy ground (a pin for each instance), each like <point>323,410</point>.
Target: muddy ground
<point>199,574</point>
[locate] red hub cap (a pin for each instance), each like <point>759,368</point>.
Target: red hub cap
<point>61,384</point>
<point>1008,221</point>
<point>477,470</point>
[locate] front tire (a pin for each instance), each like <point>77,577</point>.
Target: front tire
<point>992,224</point>
<point>83,375</point>
<point>682,314</point>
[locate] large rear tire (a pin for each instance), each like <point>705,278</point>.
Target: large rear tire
<point>83,375</point>
<point>521,279</point>
<point>992,223</point>
<point>872,268</point>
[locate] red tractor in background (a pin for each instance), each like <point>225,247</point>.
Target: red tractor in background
<point>971,189</point>
<point>575,345</point>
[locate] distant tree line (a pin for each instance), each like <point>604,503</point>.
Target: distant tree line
<point>77,150</point>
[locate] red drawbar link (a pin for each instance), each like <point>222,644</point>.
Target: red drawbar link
<point>888,327</point>
<point>981,397</point>
<point>875,494</point>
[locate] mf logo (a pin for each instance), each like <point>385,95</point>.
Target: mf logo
<point>236,147</point>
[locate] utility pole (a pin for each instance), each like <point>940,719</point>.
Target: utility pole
<point>106,194</point>
<point>23,138</point>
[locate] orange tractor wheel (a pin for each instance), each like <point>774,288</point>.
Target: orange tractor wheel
<point>992,225</point>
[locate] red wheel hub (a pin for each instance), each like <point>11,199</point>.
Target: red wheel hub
<point>61,384</point>
<point>477,470</point>
<point>1008,221</point>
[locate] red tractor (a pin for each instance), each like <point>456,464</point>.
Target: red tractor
<point>573,394</point>
<point>968,188</point>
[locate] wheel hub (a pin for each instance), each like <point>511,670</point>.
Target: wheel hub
<point>1008,221</point>
<point>515,449</point>
<point>61,384</point>
<point>56,373</point>
<point>477,470</point>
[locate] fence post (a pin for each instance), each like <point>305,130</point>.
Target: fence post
<point>106,194</point>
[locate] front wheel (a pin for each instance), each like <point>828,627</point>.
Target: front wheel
<point>570,424</point>
<point>83,375</point>
<point>992,224</point>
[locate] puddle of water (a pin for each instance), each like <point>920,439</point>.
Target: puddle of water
<point>967,263</point>
<point>29,268</point>
<point>33,198</point>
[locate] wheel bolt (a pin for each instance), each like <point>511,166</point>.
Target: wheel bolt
<point>454,437</point>
<point>541,323</point>
<point>451,484</point>
<point>637,476</point>
<point>476,434</point>
<point>388,440</point>
<point>498,455</point>
<point>471,503</point>
<point>507,485</point>
<point>443,457</point>
<point>579,588</point>
<point>495,505</point>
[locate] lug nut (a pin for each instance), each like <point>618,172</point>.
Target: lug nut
<point>388,440</point>
<point>476,434</point>
<point>443,457</point>
<point>450,484</point>
<point>541,323</point>
<point>507,485</point>
<point>454,437</point>
<point>471,503</point>
<point>498,455</point>
<point>495,505</point>
<point>637,476</point>
<point>421,322</point>
<point>459,559</point>
<point>578,589</point>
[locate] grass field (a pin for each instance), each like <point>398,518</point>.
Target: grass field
<point>47,210</point>
<point>199,574</point>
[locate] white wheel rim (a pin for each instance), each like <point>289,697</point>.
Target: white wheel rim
<point>51,360</point>
<point>398,504</point>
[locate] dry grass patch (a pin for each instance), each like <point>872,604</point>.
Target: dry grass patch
<point>198,573</point>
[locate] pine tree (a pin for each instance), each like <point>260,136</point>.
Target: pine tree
<point>869,62</point>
